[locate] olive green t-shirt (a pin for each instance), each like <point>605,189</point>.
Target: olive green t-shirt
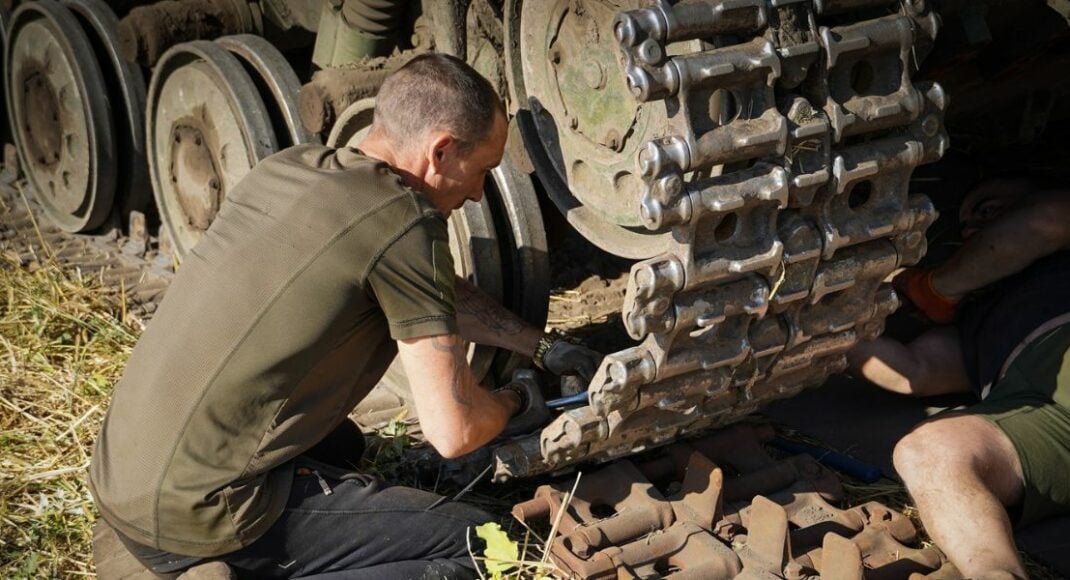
<point>280,320</point>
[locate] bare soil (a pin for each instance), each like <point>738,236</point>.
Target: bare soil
<point>588,290</point>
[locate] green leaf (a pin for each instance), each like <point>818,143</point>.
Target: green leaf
<point>501,552</point>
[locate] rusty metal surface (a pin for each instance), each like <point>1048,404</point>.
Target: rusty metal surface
<point>781,179</point>
<point>721,507</point>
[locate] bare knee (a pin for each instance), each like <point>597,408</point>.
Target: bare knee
<point>935,448</point>
<point>912,456</point>
<point>960,447</point>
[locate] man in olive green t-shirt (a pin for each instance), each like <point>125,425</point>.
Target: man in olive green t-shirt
<point>321,266</point>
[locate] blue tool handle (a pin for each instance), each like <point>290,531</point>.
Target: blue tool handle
<point>857,469</point>
<point>567,401</point>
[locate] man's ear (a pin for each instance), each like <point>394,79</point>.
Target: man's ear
<point>439,151</point>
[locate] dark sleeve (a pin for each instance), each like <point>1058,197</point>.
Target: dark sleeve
<point>413,282</point>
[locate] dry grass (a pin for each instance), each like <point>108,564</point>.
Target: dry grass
<point>62,346</point>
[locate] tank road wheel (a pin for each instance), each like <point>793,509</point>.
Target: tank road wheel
<point>5,26</point>
<point>352,124</point>
<point>207,126</point>
<point>277,83</point>
<point>585,127</point>
<point>525,259</point>
<point>62,122</point>
<point>126,92</point>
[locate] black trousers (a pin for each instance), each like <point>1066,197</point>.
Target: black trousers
<point>342,524</point>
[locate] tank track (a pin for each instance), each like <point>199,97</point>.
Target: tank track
<point>778,263</point>
<point>129,266</point>
<point>722,506</point>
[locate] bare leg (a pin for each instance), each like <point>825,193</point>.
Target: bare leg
<point>1010,243</point>
<point>961,471</point>
<point>929,365</point>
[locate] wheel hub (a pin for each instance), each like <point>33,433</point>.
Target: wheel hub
<point>42,123</point>
<point>582,53</point>
<point>207,127</point>
<point>195,174</point>
<point>585,127</point>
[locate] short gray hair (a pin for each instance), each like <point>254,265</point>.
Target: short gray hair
<point>436,92</point>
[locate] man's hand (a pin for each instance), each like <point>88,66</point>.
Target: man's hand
<point>916,287</point>
<point>562,357</point>
<point>533,412</point>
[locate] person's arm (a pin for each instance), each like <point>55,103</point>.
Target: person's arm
<point>1025,233</point>
<point>456,414</point>
<point>483,321</point>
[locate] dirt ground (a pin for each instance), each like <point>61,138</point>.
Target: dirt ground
<point>587,291</point>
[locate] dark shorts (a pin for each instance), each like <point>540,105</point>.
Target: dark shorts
<point>1031,405</point>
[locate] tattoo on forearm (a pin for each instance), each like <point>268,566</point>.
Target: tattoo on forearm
<point>472,302</point>
<point>455,347</point>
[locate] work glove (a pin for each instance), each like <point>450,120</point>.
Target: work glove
<point>916,287</point>
<point>561,355</point>
<point>533,412</point>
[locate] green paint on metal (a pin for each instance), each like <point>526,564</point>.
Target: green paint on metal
<point>588,76</point>
<point>338,43</point>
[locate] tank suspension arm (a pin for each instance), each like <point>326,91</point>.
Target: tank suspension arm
<point>353,30</point>
<point>375,17</point>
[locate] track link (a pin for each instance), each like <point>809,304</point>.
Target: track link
<point>722,507</point>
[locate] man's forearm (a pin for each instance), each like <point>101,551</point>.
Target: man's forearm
<point>483,321</point>
<point>1034,229</point>
<point>456,413</point>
